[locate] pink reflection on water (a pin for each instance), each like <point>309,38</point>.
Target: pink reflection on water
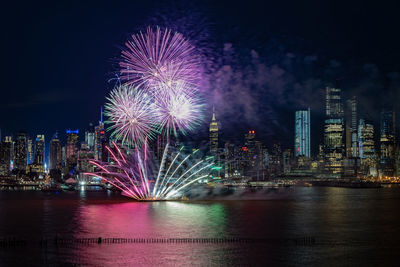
<point>148,220</point>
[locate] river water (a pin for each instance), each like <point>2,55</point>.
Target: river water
<point>339,226</point>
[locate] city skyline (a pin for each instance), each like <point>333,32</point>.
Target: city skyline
<point>292,77</point>
<point>200,133</point>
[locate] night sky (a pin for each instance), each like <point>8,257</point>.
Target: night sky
<point>265,60</point>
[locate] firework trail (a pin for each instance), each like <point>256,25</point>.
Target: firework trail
<point>136,179</point>
<point>158,56</point>
<point>132,115</point>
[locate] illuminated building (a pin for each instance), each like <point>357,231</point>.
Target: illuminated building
<point>302,133</point>
<point>351,128</point>
<point>30,150</point>
<point>72,149</point>
<point>39,150</point>
<point>20,152</point>
<point>55,153</point>
<point>249,143</point>
<point>100,140</point>
<point>333,132</point>
<point>366,149</point>
<point>287,158</point>
<point>5,156</point>
<point>275,158</point>
<point>84,155</point>
<point>213,135</point>
<point>253,161</point>
<point>387,142</point>
<point>89,138</point>
<point>72,143</point>
<point>230,160</point>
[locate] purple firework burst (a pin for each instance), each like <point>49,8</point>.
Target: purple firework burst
<point>159,56</point>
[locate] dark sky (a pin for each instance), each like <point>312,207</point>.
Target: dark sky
<point>57,58</point>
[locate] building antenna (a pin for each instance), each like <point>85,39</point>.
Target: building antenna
<point>101,114</point>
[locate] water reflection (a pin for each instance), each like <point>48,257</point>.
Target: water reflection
<point>336,213</point>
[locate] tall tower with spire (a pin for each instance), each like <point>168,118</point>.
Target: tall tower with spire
<point>100,139</point>
<point>213,134</point>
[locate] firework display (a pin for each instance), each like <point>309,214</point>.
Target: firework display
<point>158,56</point>
<point>159,96</point>
<point>137,179</point>
<point>179,111</point>
<point>132,115</point>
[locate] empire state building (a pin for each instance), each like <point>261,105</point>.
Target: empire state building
<point>213,135</point>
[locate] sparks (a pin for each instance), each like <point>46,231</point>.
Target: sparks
<point>138,180</point>
<point>132,115</point>
<point>159,56</point>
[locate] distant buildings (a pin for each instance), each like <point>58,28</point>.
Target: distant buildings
<point>366,149</point>
<point>302,133</point>
<point>387,143</point>
<point>30,150</point>
<point>350,148</point>
<point>20,152</point>
<point>5,156</point>
<point>100,140</point>
<point>334,131</point>
<point>72,150</point>
<point>351,128</point>
<point>37,168</point>
<point>55,153</point>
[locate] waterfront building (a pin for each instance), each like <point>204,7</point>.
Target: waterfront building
<point>39,150</point>
<point>387,143</point>
<point>5,157</point>
<point>287,161</point>
<point>275,164</point>
<point>334,132</point>
<point>230,160</point>
<point>366,149</point>
<point>351,128</point>
<point>20,152</point>
<point>302,133</point>
<point>30,150</point>
<point>72,149</point>
<point>100,140</point>
<point>90,138</point>
<point>55,153</point>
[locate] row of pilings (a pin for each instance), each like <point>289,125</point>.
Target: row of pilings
<point>60,241</point>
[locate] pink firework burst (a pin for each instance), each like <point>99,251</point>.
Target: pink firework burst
<point>159,56</point>
<point>132,115</point>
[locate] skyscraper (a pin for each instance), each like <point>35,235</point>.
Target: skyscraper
<point>334,130</point>
<point>387,140</point>
<point>366,149</point>
<point>20,153</point>
<point>39,150</point>
<point>72,143</point>
<point>72,149</point>
<point>55,153</point>
<point>89,139</point>
<point>351,128</point>
<point>100,140</point>
<point>30,150</point>
<point>5,156</point>
<point>302,133</point>
<point>213,135</point>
